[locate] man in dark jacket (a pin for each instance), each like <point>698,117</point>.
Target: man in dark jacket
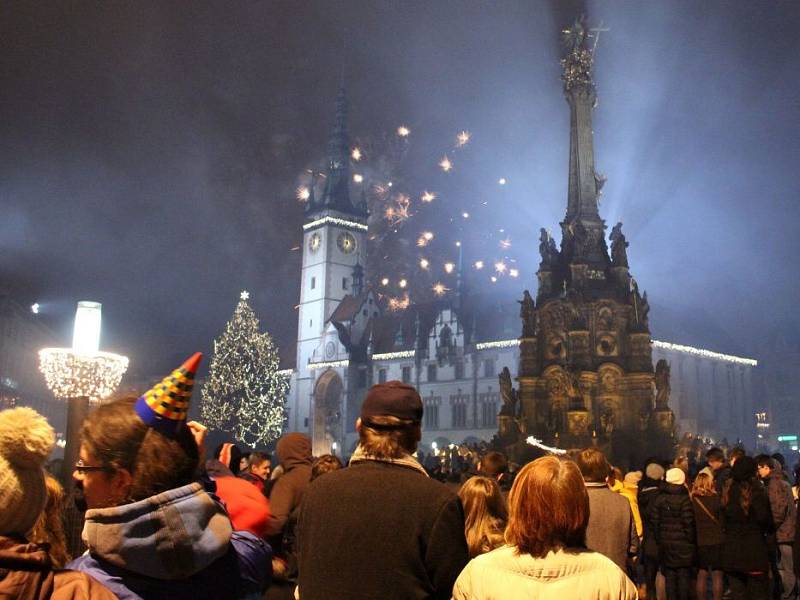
<point>673,525</point>
<point>381,528</point>
<point>781,503</point>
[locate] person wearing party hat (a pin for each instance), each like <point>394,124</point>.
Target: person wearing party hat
<point>152,531</point>
<point>26,570</point>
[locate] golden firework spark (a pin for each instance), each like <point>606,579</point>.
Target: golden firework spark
<point>505,244</point>
<point>448,267</point>
<point>403,131</point>
<point>463,138</point>
<point>385,281</point>
<point>303,193</point>
<point>465,215</point>
<point>358,177</point>
<point>400,303</point>
<point>479,264</point>
<point>402,283</point>
<point>500,267</point>
<point>493,279</point>
<point>502,181</point>
<point>398,211</point>
<point>513,272</point>
<point>424,264</point>
<point>445,164</point>
<point>439,289</point>
<point>356,154</point>
<point>428,196</point>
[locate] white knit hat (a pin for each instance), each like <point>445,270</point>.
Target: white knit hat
<point>26,440</point>
<point>676,476</point>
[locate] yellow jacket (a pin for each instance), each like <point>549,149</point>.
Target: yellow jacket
<point>629,491</point>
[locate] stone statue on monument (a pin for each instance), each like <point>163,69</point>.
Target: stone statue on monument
<point>527,313</point>
<point>619,254</point>
<point>547,248</point>
<point>508,394</point>
<point>662,384</point>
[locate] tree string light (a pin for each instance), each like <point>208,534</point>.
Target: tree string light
<point>245,393</point>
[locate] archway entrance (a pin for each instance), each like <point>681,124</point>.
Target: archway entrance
<point>326,412</point>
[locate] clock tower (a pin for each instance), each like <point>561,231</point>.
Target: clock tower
<point>334,243</point>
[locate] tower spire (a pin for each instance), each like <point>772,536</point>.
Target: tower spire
<point>336,193</point>
<point>584,182</point>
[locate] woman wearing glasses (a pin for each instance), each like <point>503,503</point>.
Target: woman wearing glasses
<point>152,531</point>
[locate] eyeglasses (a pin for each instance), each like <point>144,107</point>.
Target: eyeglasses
<point>82,468</point>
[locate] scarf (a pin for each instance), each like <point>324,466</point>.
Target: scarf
<point>359,455</point>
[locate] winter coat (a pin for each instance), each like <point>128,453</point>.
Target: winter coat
<point>379,530</point>
<point>781,503</point>
<point>630,492</point>
<point>611,530</point>
<point>573,573</point>
<point>744,546</point>
<point>178,545</point>
<point>246,505</point>
<point>673,526</point>
<point>294,454</point>
<point>649,490</point>
<point>709,530</point>
<point>26,573</point>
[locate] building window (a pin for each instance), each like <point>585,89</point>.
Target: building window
<point>364,312</point>
<point>313,282</point>
<point>459,370</point>
<point>310,322</point>
<point>431,372</point>
<point>459,409</point>
<point>431,412</point>
<point>489,404</point>
<point>406,375</point>
<point>381,375</point>
<point>488,368</point>
<point>344,283</point>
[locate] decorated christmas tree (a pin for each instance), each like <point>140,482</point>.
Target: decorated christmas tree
<point>245,392</point>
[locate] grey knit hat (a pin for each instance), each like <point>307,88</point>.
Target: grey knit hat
<point>654,471</point>
<point>26,440</point>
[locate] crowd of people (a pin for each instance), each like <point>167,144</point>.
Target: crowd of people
<point>163,520</point>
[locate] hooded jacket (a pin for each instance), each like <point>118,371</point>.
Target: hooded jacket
<point>294,454</point>
<point>177,544</point>
<point>26,573</point>
<point>564,574</point>
<point>673,526</point>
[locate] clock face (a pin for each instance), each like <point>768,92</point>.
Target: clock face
<point>346,242</point>
<point>330,350</point>
<point>314,242</point>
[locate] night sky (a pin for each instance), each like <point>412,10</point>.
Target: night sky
<point>151,152</point>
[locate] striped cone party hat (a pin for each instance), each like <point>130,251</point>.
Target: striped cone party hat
<point>164,407</point>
